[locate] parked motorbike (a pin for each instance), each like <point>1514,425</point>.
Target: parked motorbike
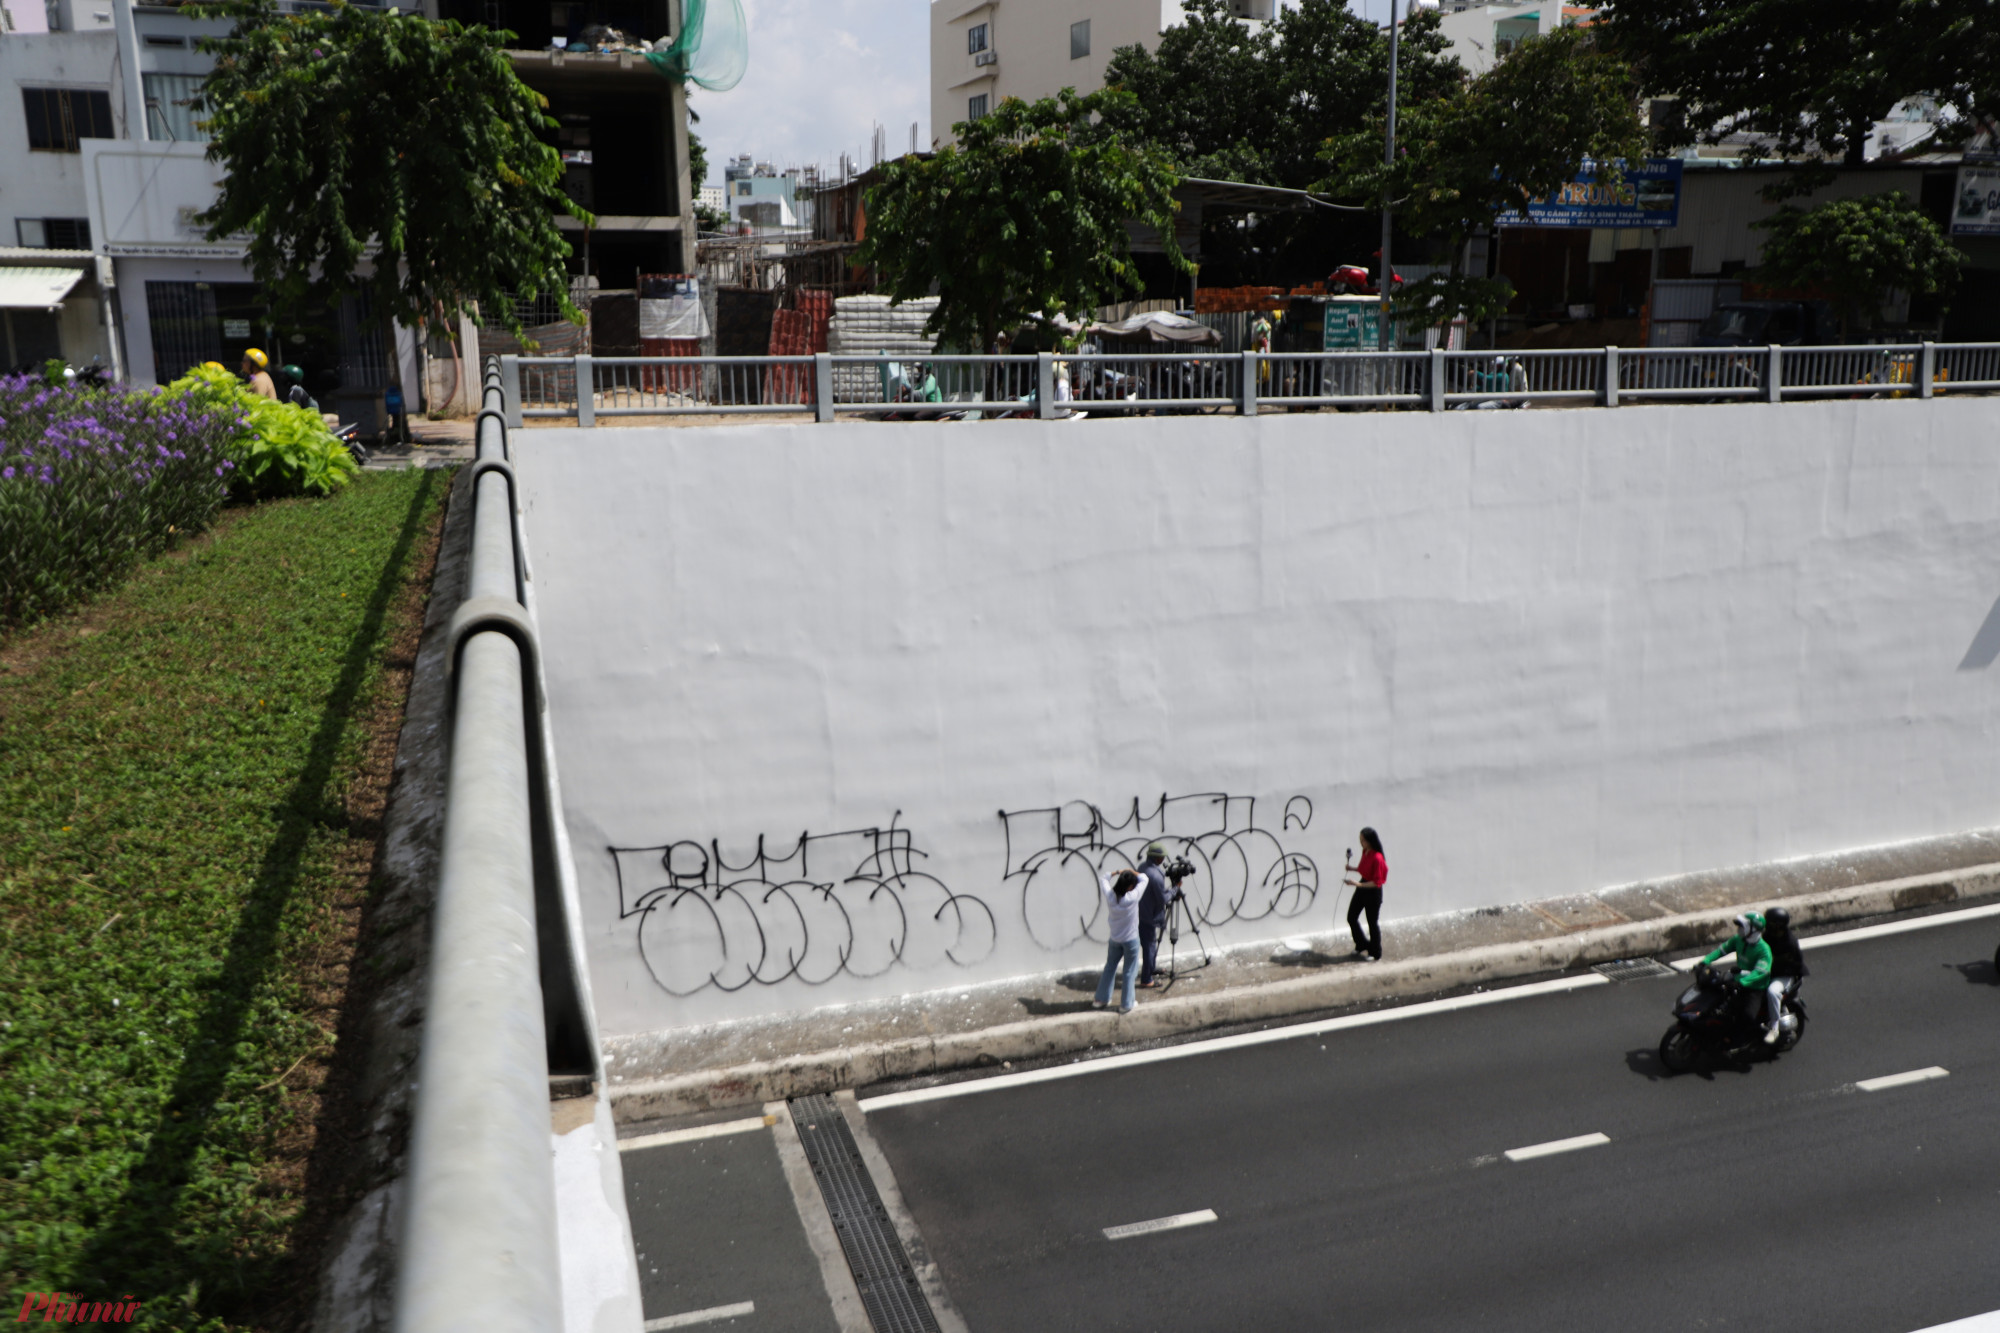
<point>1507,376</point>
<point>350,435</point>
<point>1714,1018</point>
<point>1353,280</point>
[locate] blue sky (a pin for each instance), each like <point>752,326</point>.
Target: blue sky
<point>823,74</point>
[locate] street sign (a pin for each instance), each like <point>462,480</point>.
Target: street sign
<point>1976,207</point>
<point>1354,324</point>
<point>1649,195</point>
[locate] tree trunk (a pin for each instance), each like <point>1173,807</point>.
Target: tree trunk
<point>1857,142</point>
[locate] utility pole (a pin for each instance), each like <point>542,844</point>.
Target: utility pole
<point>1389,162</point>
<point>1389,165</point>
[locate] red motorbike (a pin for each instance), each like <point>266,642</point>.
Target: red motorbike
<point>1353,280</point>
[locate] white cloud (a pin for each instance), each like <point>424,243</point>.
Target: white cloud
<point>822,74</point>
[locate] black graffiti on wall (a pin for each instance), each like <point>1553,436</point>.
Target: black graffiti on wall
<point>853,902</point>
<point>1242,872</point>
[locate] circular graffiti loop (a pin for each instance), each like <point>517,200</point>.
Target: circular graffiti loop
<point>706,923</point>
<point>1242,873</point>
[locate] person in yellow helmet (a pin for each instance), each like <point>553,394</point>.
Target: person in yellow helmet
<point>256,369</point>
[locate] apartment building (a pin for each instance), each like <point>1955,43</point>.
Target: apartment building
<point>982,53</point>
<point>102,175</point>
<point>56,70</point>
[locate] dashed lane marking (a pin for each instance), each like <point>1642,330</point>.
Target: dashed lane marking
<point>708,1316</point>
<point>1555,1146</point>
<point>1174,1223</point>
<point>1898,1080</point>
<point>717,1131</point>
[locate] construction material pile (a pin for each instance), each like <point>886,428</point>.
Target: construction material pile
<point>870,326</point>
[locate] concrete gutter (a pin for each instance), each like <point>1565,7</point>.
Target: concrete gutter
<point>1067,1034</point>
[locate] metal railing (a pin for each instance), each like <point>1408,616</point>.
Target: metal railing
<point>1050,386</point>
<point>505,1011</point>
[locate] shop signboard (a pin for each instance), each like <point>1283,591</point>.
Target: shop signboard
<point>1647,195</point>
<point>1976,203</point>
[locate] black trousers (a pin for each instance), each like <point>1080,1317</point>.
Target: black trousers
<point>1149,945</point>
<point>1369,901</point>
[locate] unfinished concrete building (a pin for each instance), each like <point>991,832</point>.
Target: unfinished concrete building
<point>622,125</point>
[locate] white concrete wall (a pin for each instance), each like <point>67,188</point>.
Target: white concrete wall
<point>1543,652</point>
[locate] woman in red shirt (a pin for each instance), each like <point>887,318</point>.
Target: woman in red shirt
<point>1369,876</point>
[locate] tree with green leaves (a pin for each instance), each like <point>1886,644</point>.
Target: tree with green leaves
<point>1857,251</point>
<point>1228,100</point>
<point>1807,77</point>
<point>1520,131</point>
<point>1023,217</point>
<point>349,134</point>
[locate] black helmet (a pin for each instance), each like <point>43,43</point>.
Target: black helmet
<point>1778,921</point>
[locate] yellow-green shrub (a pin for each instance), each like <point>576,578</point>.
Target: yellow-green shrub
<point>281,449</point>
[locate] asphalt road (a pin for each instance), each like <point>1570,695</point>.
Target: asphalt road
<point>716,1228</point>
<point>1358,1177</point>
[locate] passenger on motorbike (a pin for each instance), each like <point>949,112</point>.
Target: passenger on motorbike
<point>296,393</point>
<point>1753,959</point>
<point>1788,964</point>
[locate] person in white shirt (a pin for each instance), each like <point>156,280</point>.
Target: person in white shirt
<point>1121,900</point>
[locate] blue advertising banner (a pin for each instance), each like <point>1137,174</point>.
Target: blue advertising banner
<point>1648,195</point>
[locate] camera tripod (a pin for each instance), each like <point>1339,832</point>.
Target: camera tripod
<point>1178,911</point>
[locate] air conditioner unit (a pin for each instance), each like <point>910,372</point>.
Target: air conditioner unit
<point>987,57</point>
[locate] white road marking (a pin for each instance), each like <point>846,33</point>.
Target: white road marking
<point>1213,1044</point>
<point>1898,1080</point>
<point>1979,1323</point>
<point>698,1132</point>
<point>1555,1146</point>
<point>1876,932</point>
<point>1174,1223</point>
<point>708,1316</point>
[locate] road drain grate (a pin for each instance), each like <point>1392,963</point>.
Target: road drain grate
<point>1634,969</point>
<point>889,1290</point>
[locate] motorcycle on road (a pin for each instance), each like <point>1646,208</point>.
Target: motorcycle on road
<point>1713,1019</point>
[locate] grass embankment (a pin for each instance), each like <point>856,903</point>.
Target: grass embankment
<point>191,778</point>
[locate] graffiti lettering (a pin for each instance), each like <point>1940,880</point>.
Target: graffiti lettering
<point>1242,872</point>
<point>705,922</point>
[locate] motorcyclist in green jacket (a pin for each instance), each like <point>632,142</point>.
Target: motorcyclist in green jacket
<point>1753,958</point>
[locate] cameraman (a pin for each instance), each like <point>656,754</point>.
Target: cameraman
<point>1152,912</point>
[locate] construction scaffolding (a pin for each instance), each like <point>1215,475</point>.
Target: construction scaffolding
<point>782,264</point>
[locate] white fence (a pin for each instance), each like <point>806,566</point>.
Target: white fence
<point>1052,387</point>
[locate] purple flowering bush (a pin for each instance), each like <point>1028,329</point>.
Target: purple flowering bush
<point>93,481</point>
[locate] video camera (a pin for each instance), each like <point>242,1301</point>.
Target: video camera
<point>1178,869</point>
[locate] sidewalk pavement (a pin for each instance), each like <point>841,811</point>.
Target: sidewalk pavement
<point>446,443</point>
<point>748,1062</point>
